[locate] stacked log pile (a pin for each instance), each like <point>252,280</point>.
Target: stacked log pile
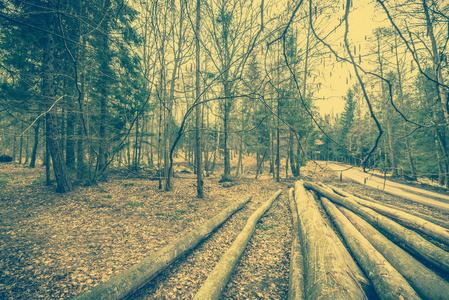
<point>401,255</point>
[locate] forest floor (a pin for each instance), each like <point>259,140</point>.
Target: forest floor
<point>55,246</point>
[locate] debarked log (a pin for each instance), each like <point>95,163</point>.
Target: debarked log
<point>387,281</point>
<point>407,238</point>
<point>424,281</point>
<point>129,281</point>
<point>427,217</point>
<point>214,285</point>
<point>327,275</point>
<point>296,274</point>
<point>433,230</point>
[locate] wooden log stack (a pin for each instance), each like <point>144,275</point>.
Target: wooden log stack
<point>402,255</point>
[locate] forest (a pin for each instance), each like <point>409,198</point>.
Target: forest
<point>90,86</point>
<point>224,149</point>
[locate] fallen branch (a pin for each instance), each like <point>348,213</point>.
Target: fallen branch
<point>401,235</point>
<point>216,282</point>
<point>328,276</point>
<point>129,281</point>
<point>435,231</point>
<point>424,281</point>
<point>296,277</point>
<point>387,281</point>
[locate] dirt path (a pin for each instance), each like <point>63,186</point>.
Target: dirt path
<point>436,200</point>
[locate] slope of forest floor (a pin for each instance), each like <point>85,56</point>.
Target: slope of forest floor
<point>56,246</point>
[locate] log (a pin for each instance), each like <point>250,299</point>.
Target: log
<point>129,281</point>
<point>433,230</point>
<point>296,277</point>
<point>431,219</point>
<point>401,235</point>
<point>347,258</point>
<point>424,281</point>
<point>387,281</point>
<point>214,285</point>
<point>328,276</point>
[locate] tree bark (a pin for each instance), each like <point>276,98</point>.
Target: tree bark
<point>198,151</point>
<point>327,276</point>
<point>227,90</point>
<point>404,123</point>
<point>440,134</point>
<point>21,145</point>
<point>104,90</point>
<point>48,91</point>
<point>70,132</point>
<point>392,154</point>
<point>387,281</point>
<point>128,282</point>
<point>82,135</point>
<point>260,163</point>
<point>36,144</point>
<point>294,166</point>
<point>219,276</point>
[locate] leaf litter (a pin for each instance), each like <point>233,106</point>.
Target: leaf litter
<point>55,246</point>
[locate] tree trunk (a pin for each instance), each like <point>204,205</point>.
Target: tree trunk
<point>387,281</point>
<point>104,90</point>
<point>278,146</point>
<point>26,148</point>
<point>293,163</point>
<point>21,145</point>
<point>440,133</point>
<point>227,158</point>
<point>136,145</point>
<point>14,147</point>
<point>198,151</point>
<point>392,154</point>
<point>59,167</point>
<point>272,158</point>
<point>207,146</point>
<point>240,160</point>
<point>70,131</point>
<point>219,276</point>
<point>216,152</point>
<point>260,164</point>
<point>169,104</point>
<point>226,63</point>
<point>401,101</point>
<point>47,157</point>
<point>36,144</point>
<point>128,282</point>
<point>81,169</point>
<point>48,91</point>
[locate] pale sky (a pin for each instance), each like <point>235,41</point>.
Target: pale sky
<point>361,23</point>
